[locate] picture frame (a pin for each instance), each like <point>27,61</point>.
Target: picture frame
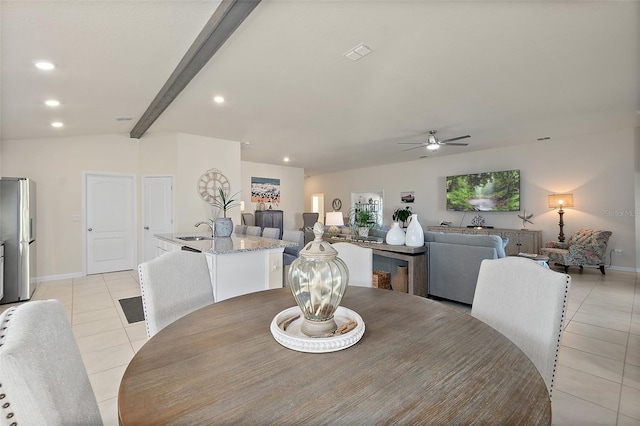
<point>407,196</point>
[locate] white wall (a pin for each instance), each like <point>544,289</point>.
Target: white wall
<point>601,177</point>
<point>56,165</point>
<point>291,190</point>
<point>194,156</point>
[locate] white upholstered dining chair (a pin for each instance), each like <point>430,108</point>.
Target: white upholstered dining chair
<point>359,261</point>
<point>43,380</point>
<point>527,303</point>
<point>254,230</point>
<point>271,233</point>
<point>172,286</point>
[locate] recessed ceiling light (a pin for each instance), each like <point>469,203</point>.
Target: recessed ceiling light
<point>45,65</point>
<point>57,124</point>
<point>218,99</point>
<point>285,159</point>
<point>52,103</point>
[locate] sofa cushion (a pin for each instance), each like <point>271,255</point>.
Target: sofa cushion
<point>491,241</point>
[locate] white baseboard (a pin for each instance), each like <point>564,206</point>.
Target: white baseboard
<point>59,277</point>
<point>623,269</point>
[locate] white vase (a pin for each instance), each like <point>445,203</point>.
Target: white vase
<point>395,236</point>
<point>415,234</point>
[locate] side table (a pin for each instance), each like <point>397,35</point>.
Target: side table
<point>539,258</point>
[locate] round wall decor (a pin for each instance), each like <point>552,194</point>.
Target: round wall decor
<point>209,183</point>
<point>337,204</point>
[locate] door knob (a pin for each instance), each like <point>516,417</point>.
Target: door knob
<point>146,227</point>
<point>90,229</point>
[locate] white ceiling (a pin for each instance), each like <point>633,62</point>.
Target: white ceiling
<point>504,72</point>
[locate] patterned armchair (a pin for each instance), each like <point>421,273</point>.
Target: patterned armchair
<point>585,247</point>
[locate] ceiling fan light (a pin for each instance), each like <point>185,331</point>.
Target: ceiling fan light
<point>433,146</point>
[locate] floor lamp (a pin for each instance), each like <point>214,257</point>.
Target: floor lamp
<point>560,201</point>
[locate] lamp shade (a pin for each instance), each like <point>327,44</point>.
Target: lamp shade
<point>560,200</point>
<point>334,219</point>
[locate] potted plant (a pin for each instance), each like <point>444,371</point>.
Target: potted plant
<point>224,224</point>
<point>402,214</point>
<point>362,221</point>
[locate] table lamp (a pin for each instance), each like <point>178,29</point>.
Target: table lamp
<point>560,201</point>
<point>333,220</point>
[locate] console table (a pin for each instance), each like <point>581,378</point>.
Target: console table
<point>416,258</point>
<point>520,240</point>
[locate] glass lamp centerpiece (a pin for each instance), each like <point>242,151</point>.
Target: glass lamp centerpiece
<point>318,280</point>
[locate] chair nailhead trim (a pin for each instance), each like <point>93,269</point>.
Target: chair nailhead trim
<point>5,323</point>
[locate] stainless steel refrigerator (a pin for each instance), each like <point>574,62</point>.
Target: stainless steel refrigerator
<point>18,230</point>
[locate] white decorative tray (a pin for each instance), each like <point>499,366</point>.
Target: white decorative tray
<point>285,328</point>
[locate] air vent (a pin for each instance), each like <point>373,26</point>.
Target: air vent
<point>358,52</point>
<point>124,118</point>
<point>545,138</point>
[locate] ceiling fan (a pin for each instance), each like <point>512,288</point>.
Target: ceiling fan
<point>434,143</point>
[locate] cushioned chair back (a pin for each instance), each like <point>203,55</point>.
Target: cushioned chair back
<point>590,237</point>
<point>173,285</point>
<point>254,230</point>
<point>526,302</point>
<point>240,229</point>
<point>247,219</point>
<point>359,260</point>
<point>308,220</point>
<point>271,233</point>
<point>43,380</point>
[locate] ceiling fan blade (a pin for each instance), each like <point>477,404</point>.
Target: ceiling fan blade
<point>454,144</point>
<point>411,143</point>
<point>455,139</point>
<point>413,148</point>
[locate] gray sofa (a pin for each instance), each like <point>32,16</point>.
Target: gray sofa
<point>454,263</point>
<point>291,253</point>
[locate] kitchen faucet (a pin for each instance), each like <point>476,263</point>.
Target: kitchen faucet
<point>208,222</point>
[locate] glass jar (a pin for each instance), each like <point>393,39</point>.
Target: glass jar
<point>318,280</point>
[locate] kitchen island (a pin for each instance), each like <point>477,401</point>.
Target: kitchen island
<point>239,264</point>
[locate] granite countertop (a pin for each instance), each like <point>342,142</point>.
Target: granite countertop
<point>219,245</point>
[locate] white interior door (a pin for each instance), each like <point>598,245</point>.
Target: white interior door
<point>110,223</point>
<point>157,214</point>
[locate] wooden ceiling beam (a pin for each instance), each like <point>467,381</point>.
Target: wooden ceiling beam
<point>224,21</point>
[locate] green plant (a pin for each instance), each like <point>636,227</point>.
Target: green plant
<point>361,218</point>
<point>402,214</point>
<point>224,203</point>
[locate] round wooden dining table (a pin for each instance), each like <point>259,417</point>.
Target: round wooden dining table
<point>418,362</point>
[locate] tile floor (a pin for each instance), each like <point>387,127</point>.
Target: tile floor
<point>597,383</point>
